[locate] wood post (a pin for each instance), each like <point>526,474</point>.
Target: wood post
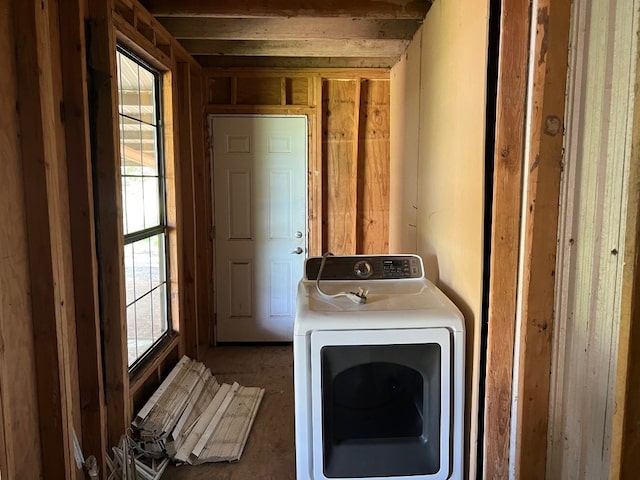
<point>109,237</point>
<point>505,235</point>
<point>542,185</point>
<point>186,212</point>
<point>203,212</point>
<point>44,167</point>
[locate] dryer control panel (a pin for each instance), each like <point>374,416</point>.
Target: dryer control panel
<point>364,267</point>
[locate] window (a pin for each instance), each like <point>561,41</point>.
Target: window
<point>143,205</point>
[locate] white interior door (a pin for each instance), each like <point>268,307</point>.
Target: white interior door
<point>260,192</point>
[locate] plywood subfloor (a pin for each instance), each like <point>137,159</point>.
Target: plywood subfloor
<point>270,452</point>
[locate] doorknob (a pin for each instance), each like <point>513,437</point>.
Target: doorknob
<point>297,251</point>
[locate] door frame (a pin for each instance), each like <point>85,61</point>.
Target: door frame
<point>313,186</point>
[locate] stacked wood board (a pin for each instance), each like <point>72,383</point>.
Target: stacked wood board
<point>192,418</point>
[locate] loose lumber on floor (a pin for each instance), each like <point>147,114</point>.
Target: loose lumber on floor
<point>191,418</point>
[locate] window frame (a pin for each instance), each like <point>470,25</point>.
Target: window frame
<point>163,227</point>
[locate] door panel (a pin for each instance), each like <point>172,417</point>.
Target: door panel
<point>260,165</point>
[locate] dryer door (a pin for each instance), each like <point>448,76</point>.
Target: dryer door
<point>381,403</point>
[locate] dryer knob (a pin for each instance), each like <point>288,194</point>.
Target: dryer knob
<point>363,269</point>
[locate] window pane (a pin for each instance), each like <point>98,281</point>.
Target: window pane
<point>139,148</point>
<point>142,269</point>
<point>129,267</point>
<point>158,268</point>
<point>144,336</point>
<point>144,263</point>
<point>151,201</point>
<point>133,204</point>
<point>147,97</point>
<point>159,305</point>
<point>130,92</point>
<point>132,347</point>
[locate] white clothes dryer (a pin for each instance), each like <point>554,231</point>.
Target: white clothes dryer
<point>378,372</point>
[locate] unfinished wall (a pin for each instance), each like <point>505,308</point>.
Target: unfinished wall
<point>19,435</point>
<point>349,150</point>
<point>450,126</point>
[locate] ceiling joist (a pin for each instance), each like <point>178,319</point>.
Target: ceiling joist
<point>292,33</point>
<point>215,61</point>
<point>298,48</point>
<point>392,9</point>
<point>289,28</point>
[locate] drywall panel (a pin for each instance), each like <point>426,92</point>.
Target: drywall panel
<point>404,147</point>
<point>19,432</point>
<point>450,173</point>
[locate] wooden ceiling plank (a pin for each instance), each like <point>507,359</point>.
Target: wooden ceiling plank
<point>290,8</point>
<point>213,61</point>
<point>298,48</point>
<point>290,28</point>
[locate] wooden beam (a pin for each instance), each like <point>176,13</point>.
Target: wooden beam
<point>505,229</point>
<point>42,164</point>
<point>172,182</point>
<point>186,221</point>
<point>286,8</point>
<point>329,73</point>
<point>217,61</point>
<point>20,455</point>
<point>109,237</point>
<point>544,165</point>
<point>290,28</point>
<point>297,48</point>
<point>83,241</point>
<point>203,210</point>
<point>146,33</point>
<point>315,179</point>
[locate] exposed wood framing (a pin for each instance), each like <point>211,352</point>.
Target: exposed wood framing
<point>203,212</point>
<point>20,455</point>
<point>297,48</point>
<point>173,189</point>
<point>340,134</point>
<point>83,241</point>
<point>544,166</point>
<point>187,225</point>
<point>43,163</point>
<point>510,129</point>
<point>286,8</point>
<point>218,61</point>
<point>373,168</point>
<point>289,28</point>
<point>142,33</point>
<point>316,174</point>
<point>364,143</point>
<point>106,158</point>
<point>144,381</point>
